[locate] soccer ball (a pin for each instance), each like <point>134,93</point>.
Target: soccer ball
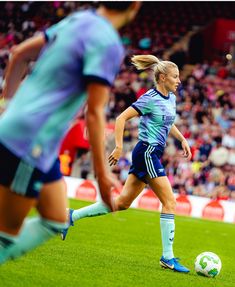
<point>208,264</point>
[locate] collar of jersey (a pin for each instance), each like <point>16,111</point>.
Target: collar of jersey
<point>160,94</point>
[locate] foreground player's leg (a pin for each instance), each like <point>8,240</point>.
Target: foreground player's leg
<point>132,188</point>
<point>13,209</point>
<point>163,190</point>
<point>6,241</point>
<point>34,231</point>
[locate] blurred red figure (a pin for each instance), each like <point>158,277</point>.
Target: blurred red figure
<point>65,163</point>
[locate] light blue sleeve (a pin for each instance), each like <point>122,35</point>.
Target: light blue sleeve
<point>52,31</point>
<point>143,105</point>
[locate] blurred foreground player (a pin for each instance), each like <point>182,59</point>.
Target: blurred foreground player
<point>76,60</point>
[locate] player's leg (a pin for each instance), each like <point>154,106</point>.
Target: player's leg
<point>52,203</point>
<point>162,188</point>
<point>26,183</point>
<point>37,230</point>
<point>14,207</point>
<point>132,188</point>
<point>13,210</point>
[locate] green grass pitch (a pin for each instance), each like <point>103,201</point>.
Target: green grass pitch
<point>123,249</point>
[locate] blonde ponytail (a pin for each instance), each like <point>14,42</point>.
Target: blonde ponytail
<point>143,62</point>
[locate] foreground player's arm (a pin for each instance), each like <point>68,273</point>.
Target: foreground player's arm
<point>178,135</point>
<point>98,95</point>
<point>119,129</point>
<point>17,66</point>
<point>97,99</point>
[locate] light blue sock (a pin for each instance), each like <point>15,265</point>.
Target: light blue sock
<point>34,232</point>
<point>6,240</point>
<point>96,209</point>
<point>167,223</point>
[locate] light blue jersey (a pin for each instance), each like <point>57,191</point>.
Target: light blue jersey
<point>82,48</point>
<point>157,116</point>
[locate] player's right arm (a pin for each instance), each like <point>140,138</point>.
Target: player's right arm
<point>128,114</point>
<point>19,59</point>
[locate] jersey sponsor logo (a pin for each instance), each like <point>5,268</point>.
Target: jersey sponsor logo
<point>168,120</point>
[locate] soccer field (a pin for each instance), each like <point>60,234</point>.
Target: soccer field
<point>123,250</point>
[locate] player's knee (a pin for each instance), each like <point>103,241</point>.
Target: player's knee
<point>122,204</point>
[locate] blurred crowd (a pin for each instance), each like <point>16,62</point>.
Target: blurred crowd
<point>205,106</point>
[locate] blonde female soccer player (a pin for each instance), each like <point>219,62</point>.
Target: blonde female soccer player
<point>157,111</point>
<point>72,66</point>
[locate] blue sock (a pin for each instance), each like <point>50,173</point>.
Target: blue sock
<point>167,223</point>
<point>34,232</point>
<point>98,208</point>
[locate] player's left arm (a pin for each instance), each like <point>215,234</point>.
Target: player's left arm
<point>21,55</point>
<point>185,146</point>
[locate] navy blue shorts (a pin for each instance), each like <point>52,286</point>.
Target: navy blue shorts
<point>146,161</point>
<point>21,177</point>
